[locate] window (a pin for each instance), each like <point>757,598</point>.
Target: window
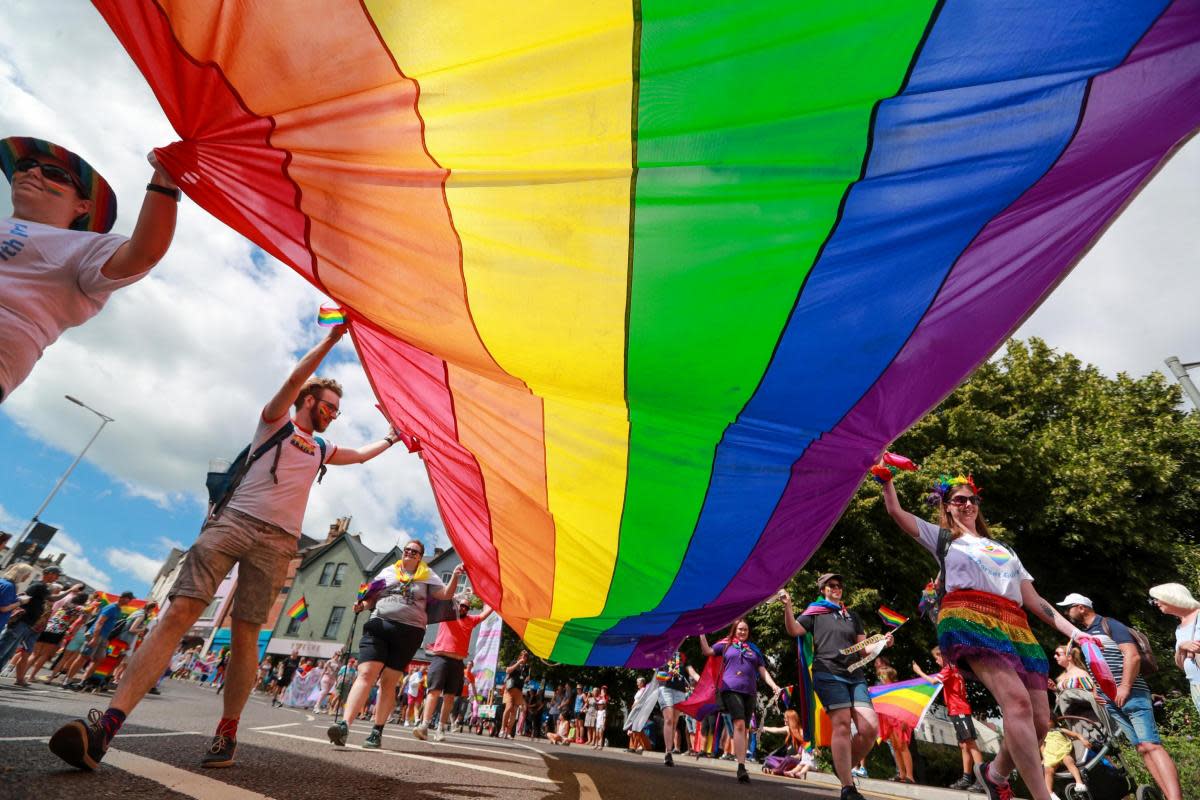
<point>335,621</point>
<point>211,611</point>
<point>293,627</point>
<point>326,574</point>
<point>339,575</point>
<point>446,577</point>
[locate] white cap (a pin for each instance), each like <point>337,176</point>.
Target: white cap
<point>1075,599</point>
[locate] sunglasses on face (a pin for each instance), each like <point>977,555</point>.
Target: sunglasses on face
<point>833,586</point>
<point>411,551</point>
<point>329,408</point>
<point>51,172</point>
<point>962,500</point>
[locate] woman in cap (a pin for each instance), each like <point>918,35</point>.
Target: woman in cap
<point>1176,600</point>
<point>60,263</point>
<point>982,626</point>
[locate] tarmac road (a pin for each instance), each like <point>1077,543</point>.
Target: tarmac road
<point>283,754</point>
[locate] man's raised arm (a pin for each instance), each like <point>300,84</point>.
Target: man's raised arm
<point>287,394</point>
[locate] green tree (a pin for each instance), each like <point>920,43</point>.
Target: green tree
<point>1095,481</point>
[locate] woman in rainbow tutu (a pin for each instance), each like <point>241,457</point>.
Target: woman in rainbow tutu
<point>982,625</point>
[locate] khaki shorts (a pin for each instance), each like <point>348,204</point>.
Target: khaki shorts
<point>262,552</point>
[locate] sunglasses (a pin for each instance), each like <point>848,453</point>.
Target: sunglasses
<point>833,585</point>
<point>330,409</point>
<point>962,499</point>
<point>52,173</point>
<point>411,551</point>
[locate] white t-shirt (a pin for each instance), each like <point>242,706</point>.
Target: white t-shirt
<point>979,563</point>
<point>49,281</point>
<point>282,504</point>
<point>414,684</point>
<point>1189,633</point>
<point>405,601</point>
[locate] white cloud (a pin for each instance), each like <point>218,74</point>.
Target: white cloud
<point>139,565</point>
<point>184,359</point>
<point>76,564</point>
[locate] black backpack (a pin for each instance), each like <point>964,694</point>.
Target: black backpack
<point>221,485</point>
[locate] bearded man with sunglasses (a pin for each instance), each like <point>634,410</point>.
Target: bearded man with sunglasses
<point>258,530</point>
<point>58,262</point>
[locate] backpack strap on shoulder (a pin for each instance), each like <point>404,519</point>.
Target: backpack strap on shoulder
<point>321,469</point>
<point>945,537</point>
<point>277,441</point>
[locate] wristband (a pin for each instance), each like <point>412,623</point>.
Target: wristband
<point>174,194</point>
<point>390,440</point>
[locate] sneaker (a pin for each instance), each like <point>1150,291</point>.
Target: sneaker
<point>81,744</point>
<point>963,783</point>
<point>338,732</point>
<point>421,732</point>
<point>670,762</point>
<point>850,793</point>
<point>859,772</point>
<point>374,740</point>
<point>438,736</point>
<point>219,753</point>
<point>742,775</point>
<point>993,790</point>
<point>155,690</point>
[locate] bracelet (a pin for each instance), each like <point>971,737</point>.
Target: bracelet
<point>390,440</point>
<point>174,194</point>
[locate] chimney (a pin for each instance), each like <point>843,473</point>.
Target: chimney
<point>437,551</point>
<point>338,528</point>
<point>58,561</point>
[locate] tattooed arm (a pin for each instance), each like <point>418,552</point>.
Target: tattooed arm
<point>1040,607</point>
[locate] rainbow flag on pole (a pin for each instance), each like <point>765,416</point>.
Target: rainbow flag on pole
<point>903,703</point>
<point>299,611</point>
<point>892,619</point>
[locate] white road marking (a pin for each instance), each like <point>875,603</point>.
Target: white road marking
<point>587,787</point>
<point>284,725</point>
<point>123,736</point>
<point>491,750</point>
<point>178,780</point>
<point>309,718</point>
<point>414,756</point>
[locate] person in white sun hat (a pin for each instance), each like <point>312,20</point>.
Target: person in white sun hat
<point>58,262</point>
<point>1176,600</point>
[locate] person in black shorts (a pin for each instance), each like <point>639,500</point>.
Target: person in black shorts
<point>290,665</point>
<point>398,598</point>
<point>514,693</point>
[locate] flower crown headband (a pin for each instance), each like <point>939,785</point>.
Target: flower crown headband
<point>945,483</point>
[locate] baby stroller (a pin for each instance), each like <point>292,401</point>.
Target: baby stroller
<point>1099,760</point>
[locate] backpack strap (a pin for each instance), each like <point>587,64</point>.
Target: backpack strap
<point>945,537</point>
<point>321,469</point>
<point>274,440</point>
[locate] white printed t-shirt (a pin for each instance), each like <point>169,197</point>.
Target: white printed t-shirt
<point>50,280</point>
<point>282,504</point>
<point>976,562</point>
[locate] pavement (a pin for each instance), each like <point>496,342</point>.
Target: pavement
<point>283,754</point>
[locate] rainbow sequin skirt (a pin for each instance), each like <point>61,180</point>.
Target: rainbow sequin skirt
<point>978,626</point>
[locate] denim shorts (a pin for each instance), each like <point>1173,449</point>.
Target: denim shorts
<point>1136,718</point>
<point>836,692</point>
<point>668,697</point>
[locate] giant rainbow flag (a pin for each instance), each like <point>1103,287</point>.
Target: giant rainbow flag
<point>654,282</point>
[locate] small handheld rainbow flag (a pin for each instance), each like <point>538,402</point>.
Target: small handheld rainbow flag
<point>365,590</point>
<point>299,611</point>
<point>330,316</point>
<point>891,618</point>
<point>904,703</point>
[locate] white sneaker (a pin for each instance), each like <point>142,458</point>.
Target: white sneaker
<point>438,736</point>
<point>421,731</point>
<point>1053,796</point>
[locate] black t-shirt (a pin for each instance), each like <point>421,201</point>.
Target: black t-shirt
<point>832,633</point>
<point>289,668</point>
<point>38,592</point>
<point>516,677</point>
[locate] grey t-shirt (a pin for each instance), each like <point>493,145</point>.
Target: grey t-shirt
<point>405,602</point>
<point>831,633</point>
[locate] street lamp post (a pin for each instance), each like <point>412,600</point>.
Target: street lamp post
<point>104,420</point>
<point>1180,371</point>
